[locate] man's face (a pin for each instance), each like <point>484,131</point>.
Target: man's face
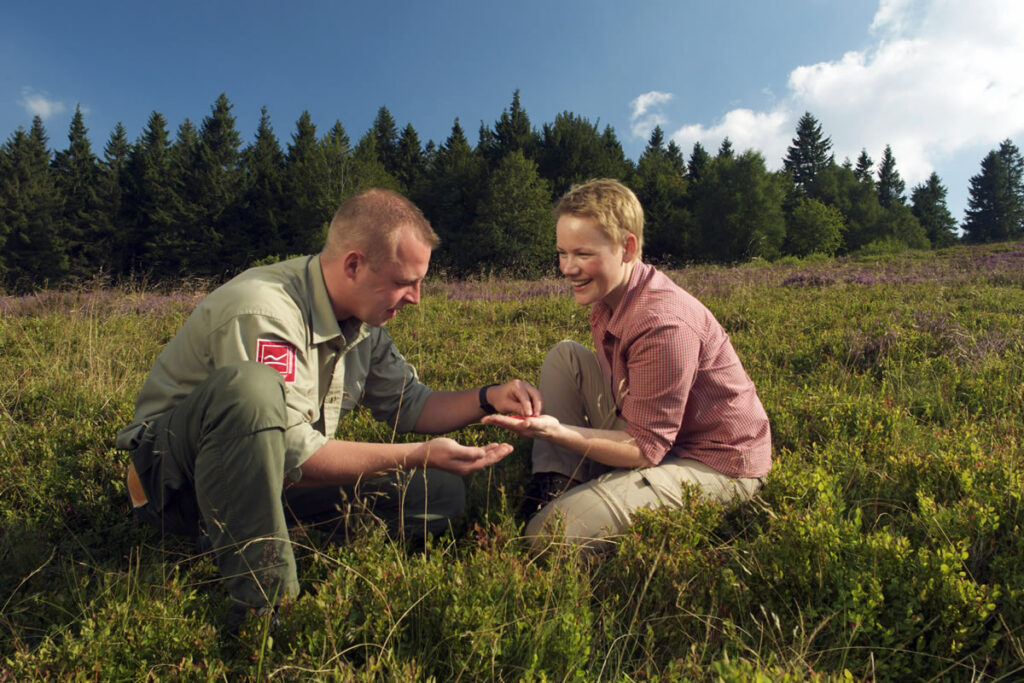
<point>384,288</point>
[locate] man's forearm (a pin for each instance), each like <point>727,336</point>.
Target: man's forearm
<point>446,411</point>
<point>345,462</point>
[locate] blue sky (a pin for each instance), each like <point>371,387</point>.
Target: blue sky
<point>941,81</point>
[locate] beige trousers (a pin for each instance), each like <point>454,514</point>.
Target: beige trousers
<point>589,515</point>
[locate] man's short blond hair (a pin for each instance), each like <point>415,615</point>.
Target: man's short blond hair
<point>613,205</point>
<point>372,221</point>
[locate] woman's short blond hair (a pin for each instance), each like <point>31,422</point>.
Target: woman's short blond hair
<point>372,221</point>
<point>613,205</point>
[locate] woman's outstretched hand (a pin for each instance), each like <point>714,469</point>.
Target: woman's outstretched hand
<point>543,427</point>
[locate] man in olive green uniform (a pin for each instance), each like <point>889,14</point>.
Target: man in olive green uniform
<point>233,427</point>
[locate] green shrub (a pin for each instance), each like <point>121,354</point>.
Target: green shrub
<point>886,544</point>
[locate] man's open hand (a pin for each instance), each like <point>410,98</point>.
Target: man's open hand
<point>451,456</point>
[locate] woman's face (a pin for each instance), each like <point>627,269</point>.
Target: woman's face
<point>597,267</point>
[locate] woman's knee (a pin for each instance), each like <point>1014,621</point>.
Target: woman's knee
<point>579,517</point>
<point>563,356</point>
<point>554,527</point>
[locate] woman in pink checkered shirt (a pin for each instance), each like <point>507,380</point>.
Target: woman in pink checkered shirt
<point>663,401</point>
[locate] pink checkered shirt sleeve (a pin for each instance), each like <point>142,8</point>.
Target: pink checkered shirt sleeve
<point>677,380</point>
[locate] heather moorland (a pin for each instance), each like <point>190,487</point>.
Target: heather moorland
<point>886,545</point>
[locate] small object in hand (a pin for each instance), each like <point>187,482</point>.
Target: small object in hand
<point>523,417</point>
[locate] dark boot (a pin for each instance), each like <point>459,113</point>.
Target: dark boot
<point>543,488</point>
<point>238,614</point>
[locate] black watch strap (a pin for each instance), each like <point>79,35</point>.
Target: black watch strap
<point>484,405</point>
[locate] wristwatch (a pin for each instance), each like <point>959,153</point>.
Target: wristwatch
<point>484,405</point>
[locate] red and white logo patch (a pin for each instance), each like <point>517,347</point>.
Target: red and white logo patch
<point>279,355</point>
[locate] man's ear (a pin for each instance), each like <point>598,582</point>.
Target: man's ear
<point>351,263</point>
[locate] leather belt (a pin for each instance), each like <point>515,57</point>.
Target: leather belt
<point>135,490</point>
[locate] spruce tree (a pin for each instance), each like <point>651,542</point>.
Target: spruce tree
<point>863,171</point>
<point>809,155</point>
<point>928,202</point>
<point>655,144</point>
<point>305,222</point>
<point>1014,164</point>
<point>409,162</point>
<point>30,212</point>
<point>385,135</point>
<point>725,149</point>
<point>450,195</point>
<point>512,132</point>
<point>263,199</point>
<point>905,227</point>
<point>899,223</point>
<point>341,174</point>
<point>370,171</point>
<point>699,159</point>
<point>890,185</point>
<point>662,191</point>
<point>619,166</point>
<point>150,200</point>
<point>991,204</point>
<point>486,146</point>
<point>112,182</point>
<point>675,157</point>
<point>429,154</point>
<point>186,247</point>
<point>215,184</point>
<point>75,173</point>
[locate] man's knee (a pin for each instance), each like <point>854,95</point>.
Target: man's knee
<point>425,500</point>
<point>446,494</point>
<point>248,394</point>
<point>250,382</point>
<point>237,419</point>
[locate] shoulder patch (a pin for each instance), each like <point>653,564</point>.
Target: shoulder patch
<point>279,355</point>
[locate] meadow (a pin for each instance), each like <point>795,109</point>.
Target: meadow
<point>886,545</point>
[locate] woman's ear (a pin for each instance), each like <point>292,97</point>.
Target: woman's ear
<point>630,247</point>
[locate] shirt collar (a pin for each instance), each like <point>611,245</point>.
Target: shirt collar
<point>323,326</point>
<point>615,321</point>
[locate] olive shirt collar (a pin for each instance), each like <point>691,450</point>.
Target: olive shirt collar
<point>323,326</point>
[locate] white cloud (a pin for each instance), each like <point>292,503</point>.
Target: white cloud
<point>647,112</point>
<point>940,77</point>
<point>40,104</point>
<point>764,131</point>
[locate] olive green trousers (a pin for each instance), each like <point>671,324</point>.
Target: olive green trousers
<point>214,465</point>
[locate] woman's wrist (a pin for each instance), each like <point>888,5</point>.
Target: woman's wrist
<point>569,438</point>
